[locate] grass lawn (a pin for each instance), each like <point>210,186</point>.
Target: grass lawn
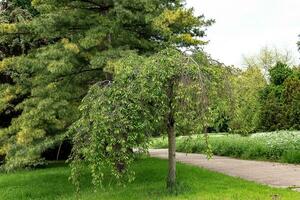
<point>195,183</point>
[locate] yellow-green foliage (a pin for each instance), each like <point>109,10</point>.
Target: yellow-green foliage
<point>8,28</point>
<point>247,86</point>
<point>169,21</point>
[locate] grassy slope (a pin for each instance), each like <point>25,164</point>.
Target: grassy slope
<point>52,183</point>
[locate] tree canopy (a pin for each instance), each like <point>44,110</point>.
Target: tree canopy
<point>268,57</point>
<point>164,90</point>
<point>246,100</point>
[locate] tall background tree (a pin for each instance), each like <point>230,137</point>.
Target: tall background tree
<point>280,99</point>
<point>268,57</point>
<point>71,42</point>
<point>246,100</point>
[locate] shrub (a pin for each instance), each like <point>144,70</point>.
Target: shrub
<point>283,146</point>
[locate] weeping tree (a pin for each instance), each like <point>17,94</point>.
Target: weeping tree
<point>164,90</point>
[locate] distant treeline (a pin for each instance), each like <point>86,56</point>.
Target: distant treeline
<point>257,102</point>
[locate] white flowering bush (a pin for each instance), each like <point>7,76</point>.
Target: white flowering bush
<point>281,146</point>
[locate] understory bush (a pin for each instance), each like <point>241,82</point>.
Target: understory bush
<point>282,146</point>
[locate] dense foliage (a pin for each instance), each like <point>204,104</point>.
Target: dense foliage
<point>218,101</point>
<point>250,101</point>
<point>282,146</point>
<point>11,45</point>
<point>147,94</point>
<point>280,100</point>
<point>58,50</point>
<point>246,106</point>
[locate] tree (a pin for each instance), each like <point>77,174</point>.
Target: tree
<point>11,45</point>
<point>118,116</point>
<point>280,99</point>
<point>73,42</point>
<point>291,100</point>
<point>219,98</point>
<point>246,100</point>
<point>268,57</point>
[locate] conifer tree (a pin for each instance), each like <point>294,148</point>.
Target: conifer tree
<point>11,45</point>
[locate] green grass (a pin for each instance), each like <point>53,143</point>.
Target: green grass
<point>194,183</point>
<point>283,146</point>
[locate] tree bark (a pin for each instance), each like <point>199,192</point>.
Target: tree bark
<point>120,165</point>
<point>171,181</point>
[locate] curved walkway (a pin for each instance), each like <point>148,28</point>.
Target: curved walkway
<point>269,173</point>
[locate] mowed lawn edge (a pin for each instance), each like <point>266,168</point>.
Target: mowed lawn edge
<point>194,183</point>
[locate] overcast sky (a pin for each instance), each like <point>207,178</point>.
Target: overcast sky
<point>244,26</point>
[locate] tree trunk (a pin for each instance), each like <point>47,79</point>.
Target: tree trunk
<point>58,151</point>
<point>171,181</point>
<point>120,165</point>
<point>172,156</point>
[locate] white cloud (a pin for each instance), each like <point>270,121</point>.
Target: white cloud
<point>244,26</point>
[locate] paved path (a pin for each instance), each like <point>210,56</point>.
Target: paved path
<point>273,174</point>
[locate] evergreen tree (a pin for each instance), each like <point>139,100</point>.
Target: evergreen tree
<point>11,45</point>
<point>280,99</point>
<point>71,42</point>
<point>291,100</point>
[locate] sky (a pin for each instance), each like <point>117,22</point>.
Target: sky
<point>243,27</point>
